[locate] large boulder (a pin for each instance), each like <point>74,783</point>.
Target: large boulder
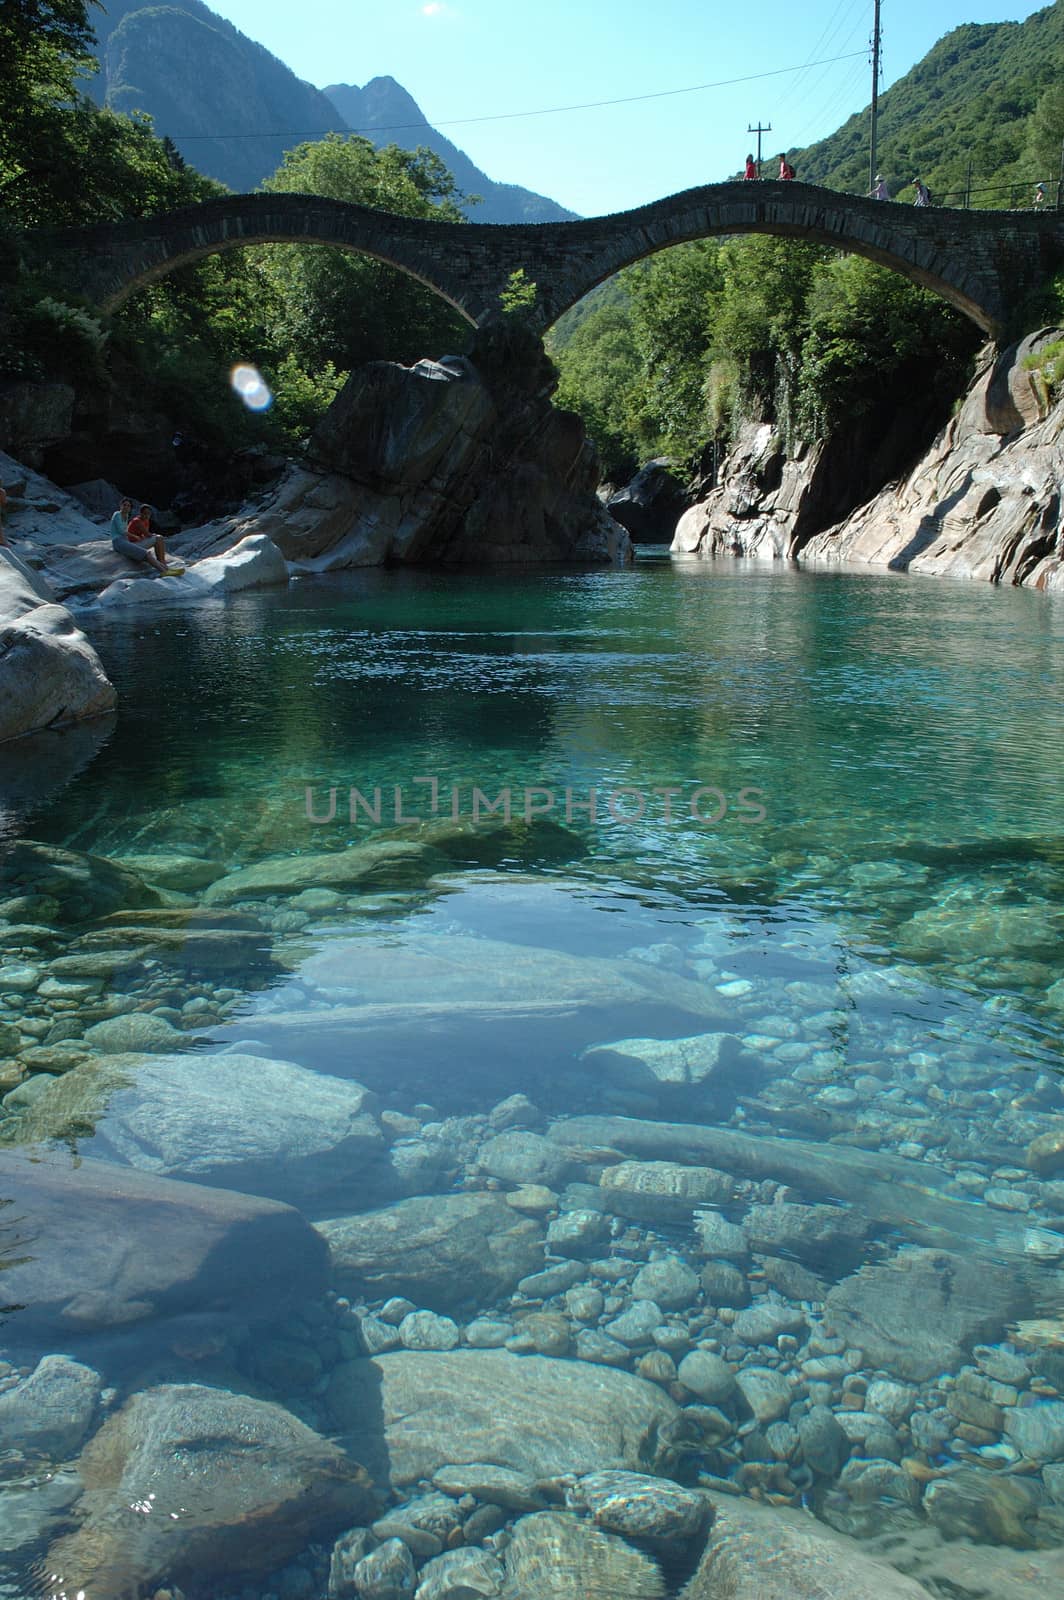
<point>86,1247</point>
<point>253,563</point>
<point>49,672</point>
<point>449,1253</point>
<point>651,505</point>
<point>187,1480</point>
<point>408,1413</point>
<point>753,1553</point>
<point>235,1121</point>
<point>80,887</point>
<point>453,462</point>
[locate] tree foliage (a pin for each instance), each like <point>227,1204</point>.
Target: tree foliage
<point>343,308</point>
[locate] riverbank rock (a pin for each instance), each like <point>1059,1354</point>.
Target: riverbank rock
<point>650,505</point>
<point>449,1253</point>
<point>753,1553</point>
<point>88,1247</point>
<point>186,1480</point>
<point>233,1121</point>
<point>253,563</point>
<point>49,672</point>
<point>984,502</point>
<point>921,1313</point>
<point>536,1414</point>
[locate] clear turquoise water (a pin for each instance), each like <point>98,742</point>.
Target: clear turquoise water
<point>889,931</point>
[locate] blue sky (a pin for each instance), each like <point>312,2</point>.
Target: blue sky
<point>478,58</point>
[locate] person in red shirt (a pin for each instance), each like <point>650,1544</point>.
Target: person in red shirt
<point>138,533</point>
<point>786,170</point>
<point>751,170</point>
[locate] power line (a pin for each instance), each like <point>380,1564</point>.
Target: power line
<point>509,116</point>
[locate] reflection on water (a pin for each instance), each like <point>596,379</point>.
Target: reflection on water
<point>493,1195</point>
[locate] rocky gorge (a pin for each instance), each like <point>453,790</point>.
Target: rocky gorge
<point>983,502</point>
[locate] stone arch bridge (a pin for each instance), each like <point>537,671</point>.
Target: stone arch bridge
<point>982,262</point>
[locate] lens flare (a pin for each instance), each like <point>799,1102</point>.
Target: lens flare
<point>252,388</point>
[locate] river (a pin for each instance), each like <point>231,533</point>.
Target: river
<point>701,922</point>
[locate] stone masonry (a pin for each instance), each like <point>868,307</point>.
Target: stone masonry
<point>983,262</point>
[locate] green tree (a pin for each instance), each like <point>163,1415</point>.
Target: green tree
<point>344,308</point>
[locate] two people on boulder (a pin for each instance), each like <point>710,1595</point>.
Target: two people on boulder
<point>132,537</point>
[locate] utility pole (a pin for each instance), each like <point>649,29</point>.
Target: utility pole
<point>759,130</point>
<point>877,41</point>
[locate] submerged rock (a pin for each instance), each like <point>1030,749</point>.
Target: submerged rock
<point>88,1247</point>
<point>382,864</point>
<point>186,1480</point>
<point>408,1414</point>
<point>49,1413</point>
<point>448,1253</point>
<point>639,1507</point>
<point>555,1557</point>
<point>921,1313</point>
<point>662,1191</point>
<point>756,1554</point>
<point>234,1121</point>
<point>79,887</point>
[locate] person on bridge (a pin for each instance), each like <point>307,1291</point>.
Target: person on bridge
<point>1039,194</point>
<point>923,193</point>
<point>879,190</point>
<point>751,173</point>
<point>132,537</point>
<point>786,170</point>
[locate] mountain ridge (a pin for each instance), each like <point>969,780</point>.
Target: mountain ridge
<point>194,72</point>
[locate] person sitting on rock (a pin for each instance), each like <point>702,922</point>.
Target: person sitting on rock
<point>132,537</point>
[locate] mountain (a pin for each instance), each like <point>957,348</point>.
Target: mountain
<point>385,113</point>
<point>232,108</point>
<point>971,100</point>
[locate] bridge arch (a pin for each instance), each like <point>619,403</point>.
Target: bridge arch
<point>981,262</point>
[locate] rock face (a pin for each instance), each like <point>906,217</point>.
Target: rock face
<point>408,1413</point>
<point>459,462</point>
<point>445,1252</point>
<point>49,672</point>
<point>186,1480</point>
<point>983,502</point>
<point>87,1247</point>
<point>756,1554</point>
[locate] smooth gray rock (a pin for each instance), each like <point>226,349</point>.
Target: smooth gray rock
<point>824,1444</point>
<point>921,1313</point>
<point>379,864</point>
<point>49,672</point>
<point>248,1484</point>
<point>764,1321</point>
<point>707,1376</point>
<point>136,1031</point>
<point>234,1121</point>
<point>555,1557</point>
<point>636,1325</point>
<point>93,1246</point>
<point>640,1507</point>
<point>669,1282</point>
<point>720,1238</point>
<point>461,1575</point>
<point>578,1233</point>
<point>520,1157</point>
<point>424,1330</point>
<point>1037,1430</point>
<point>446,1252</point>
<point>387,1573</point>
<point>49,1413</point>
<point>535,1414</point>
<point>662,1191</point>
<point>827,1237</point>
<point>768,1393</point>
<point>500,1486</point>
